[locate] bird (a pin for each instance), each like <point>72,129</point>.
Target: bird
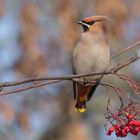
<point>91,54</point>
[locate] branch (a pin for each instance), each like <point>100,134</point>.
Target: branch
<point>70,77</point>
<point>127,49</point>
<point>29,87</point>
<point>120,66</point>
<point>76,78</point>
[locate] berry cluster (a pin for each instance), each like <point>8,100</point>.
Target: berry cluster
<point>126,120</point>
<point>122,129</point>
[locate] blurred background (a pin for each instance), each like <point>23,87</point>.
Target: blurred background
<point>36,39</point>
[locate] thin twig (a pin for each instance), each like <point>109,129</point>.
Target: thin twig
<point>117,90</point>
<point>28,87</point>
<point>123,51</point>
<point>69,77</point>
<point>120,66</point>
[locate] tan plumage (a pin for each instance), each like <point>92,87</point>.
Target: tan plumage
<point>91,54</point>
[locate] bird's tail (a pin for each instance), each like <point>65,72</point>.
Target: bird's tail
<point>82,94</point>
<point>80,106</point>
<point>92,91</point>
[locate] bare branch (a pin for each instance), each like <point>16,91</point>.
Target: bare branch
<point>76,78</point>
<point>28,87</point>
<point>127,49</point>
<point>120,66</point>
<point>69,77</point>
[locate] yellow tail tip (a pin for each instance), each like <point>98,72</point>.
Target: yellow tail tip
<point>81,110</point>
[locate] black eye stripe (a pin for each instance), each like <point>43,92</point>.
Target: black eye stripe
<point>89,23</point>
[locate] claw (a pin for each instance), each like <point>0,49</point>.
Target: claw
<point>85,81</point>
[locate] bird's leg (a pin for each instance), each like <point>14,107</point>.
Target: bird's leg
<point>97,81</point>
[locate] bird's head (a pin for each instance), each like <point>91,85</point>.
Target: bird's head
<point>94,23</point>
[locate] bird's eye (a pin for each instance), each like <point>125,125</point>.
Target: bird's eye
<point>91,22</point>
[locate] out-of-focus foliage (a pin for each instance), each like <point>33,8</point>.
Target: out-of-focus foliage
<point>36,39</point>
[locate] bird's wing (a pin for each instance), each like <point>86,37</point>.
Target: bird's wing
<point>91,91</point>
<point>74,89</point>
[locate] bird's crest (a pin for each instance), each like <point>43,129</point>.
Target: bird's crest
<point>96,19</point>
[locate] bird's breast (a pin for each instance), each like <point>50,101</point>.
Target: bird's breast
<point>91,57</point>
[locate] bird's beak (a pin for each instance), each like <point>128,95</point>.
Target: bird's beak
<point>83,23</point>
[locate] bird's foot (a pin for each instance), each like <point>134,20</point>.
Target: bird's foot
<point>97,81</point>
<point>85,81</point>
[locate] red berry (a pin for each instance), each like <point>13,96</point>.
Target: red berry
<point>126,129</point>
<point>134,132</point>
<point>111,129</point>
<point>124,134</point>
<point>130,116</point>
<point>118,127</point>
<point>108,133</point>
<point>130,127</point>
<point>131,123</point>
<point>121,134</point>
<point>137,122</point>
<point>137,129</point>
<point>118,133</point>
